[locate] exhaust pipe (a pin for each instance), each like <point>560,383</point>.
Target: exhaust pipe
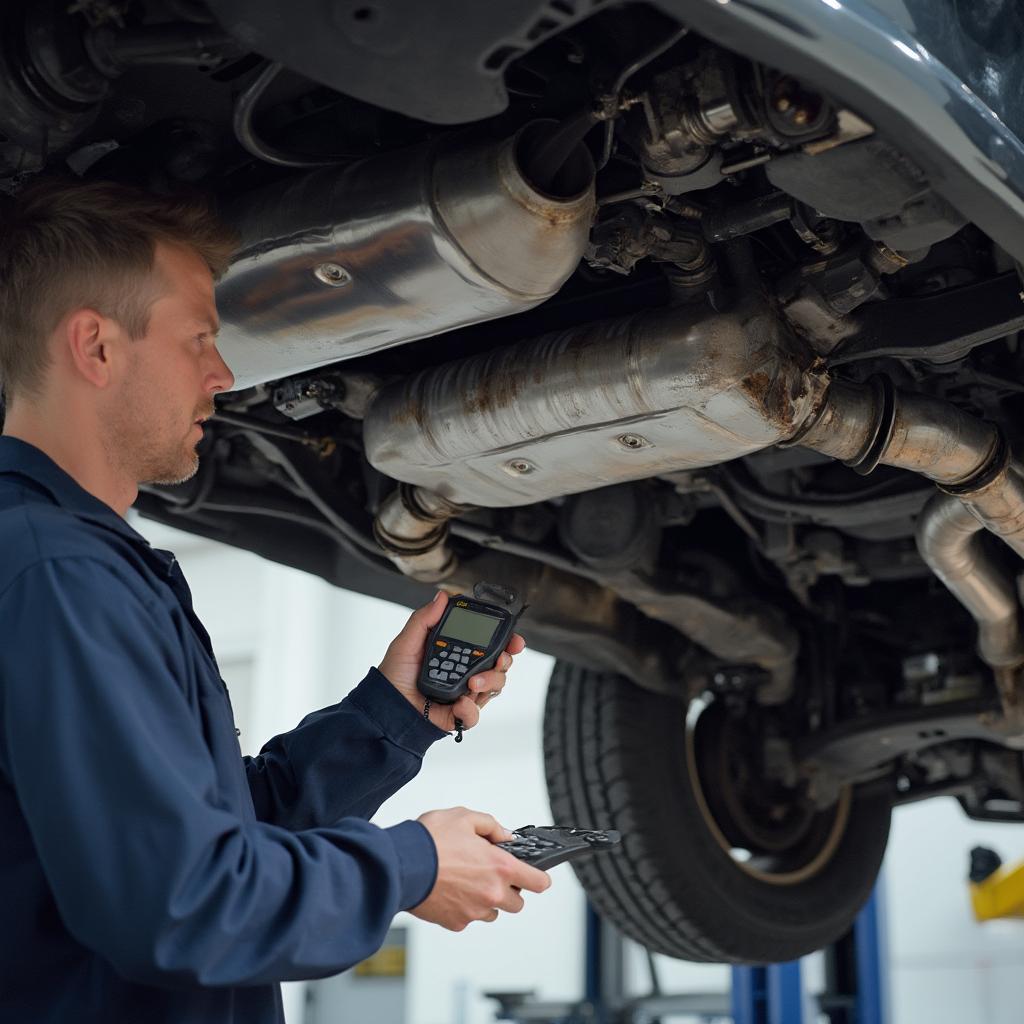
<point>412,527</point>
<point>672,390</point>
<point>949,538</point>
<point>980,488</point>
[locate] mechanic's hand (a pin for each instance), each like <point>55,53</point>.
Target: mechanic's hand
<point>474,878</point>
<point>401,665</point>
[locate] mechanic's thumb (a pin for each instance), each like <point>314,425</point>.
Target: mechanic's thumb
<point>424,619</point>
<point>489,828</point>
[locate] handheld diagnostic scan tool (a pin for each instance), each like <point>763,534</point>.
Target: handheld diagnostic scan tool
<point>469,639</point>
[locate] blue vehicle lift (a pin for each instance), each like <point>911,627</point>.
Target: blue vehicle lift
<point>856,985</point>
<point>856,982</point>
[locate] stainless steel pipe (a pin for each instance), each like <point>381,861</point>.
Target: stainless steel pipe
<point>999,502</point>
<point>865,425</point>
<point>949,537</point>
<point>412,527</point>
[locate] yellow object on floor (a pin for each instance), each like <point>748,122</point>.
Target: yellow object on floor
<point>1000,893</point>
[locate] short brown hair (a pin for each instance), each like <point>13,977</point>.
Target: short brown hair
<point>69,244</point>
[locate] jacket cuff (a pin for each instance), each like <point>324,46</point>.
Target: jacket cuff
<point>378,699</point>
<point>417,857</point>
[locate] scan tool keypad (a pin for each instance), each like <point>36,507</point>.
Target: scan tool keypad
<point>450,661</point>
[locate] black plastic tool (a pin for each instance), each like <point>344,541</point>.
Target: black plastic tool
<point>545,846</point>
<point>469,639</point>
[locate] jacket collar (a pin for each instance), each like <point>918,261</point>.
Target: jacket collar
<point>18,458</point>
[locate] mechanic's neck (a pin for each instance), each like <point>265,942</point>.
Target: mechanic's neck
<point>76,445</point>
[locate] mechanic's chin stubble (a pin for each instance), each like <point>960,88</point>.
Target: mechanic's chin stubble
<point>181,473</point>
<point>171,474</point>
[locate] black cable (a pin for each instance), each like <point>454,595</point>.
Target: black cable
<point>276,456</point>
<point>296,517</point>
<point>236,502</point>
<point>627,73</point>
<point>495,542</point>
<point>752,497</point>
<point>248,139</point>
<point>283,430</point>
<point>317,500</point>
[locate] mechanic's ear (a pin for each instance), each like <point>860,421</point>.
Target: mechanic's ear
<point>90,339</point>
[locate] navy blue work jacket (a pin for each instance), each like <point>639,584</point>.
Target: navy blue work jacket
<point>149,873</point>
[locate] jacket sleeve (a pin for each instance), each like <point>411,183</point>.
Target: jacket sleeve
<point>118,788</point>
<point>345,760</point>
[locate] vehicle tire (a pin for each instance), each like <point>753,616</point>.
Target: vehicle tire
<point>618,756</point>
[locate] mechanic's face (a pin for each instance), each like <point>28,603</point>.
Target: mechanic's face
<point>171,376</point>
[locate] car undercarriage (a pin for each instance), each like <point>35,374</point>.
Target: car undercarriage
<point>696,323</point>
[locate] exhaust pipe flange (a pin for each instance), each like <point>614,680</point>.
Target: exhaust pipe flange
<point>412,528</point>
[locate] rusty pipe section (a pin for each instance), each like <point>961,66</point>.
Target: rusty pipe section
<point>345,261</point>
<point>599,404</point>
<point>865,425</point>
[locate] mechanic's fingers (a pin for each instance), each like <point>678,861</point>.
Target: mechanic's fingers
<point>487,825</point>
<point>516,644</point>
<point>503,664</point>
<point>490,685</point>
<point>522,876</point>
<point>493,678</point>
<point>466,709</point>
<point>512,902</point>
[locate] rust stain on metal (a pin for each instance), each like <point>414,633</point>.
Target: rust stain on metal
<point>410,411</point>
<point>557,213</point>
<point>768,396</point>
<point>496,388</point>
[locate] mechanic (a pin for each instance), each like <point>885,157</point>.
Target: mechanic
<point>148,871</point>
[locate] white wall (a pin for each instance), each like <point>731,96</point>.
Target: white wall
<point>289,643</point>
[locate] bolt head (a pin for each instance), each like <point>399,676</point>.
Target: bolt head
<point>633,441</point>
<point>519,467</point>
<point>332,274</point>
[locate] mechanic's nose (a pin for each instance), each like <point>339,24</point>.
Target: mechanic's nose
<point>220,377</point>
